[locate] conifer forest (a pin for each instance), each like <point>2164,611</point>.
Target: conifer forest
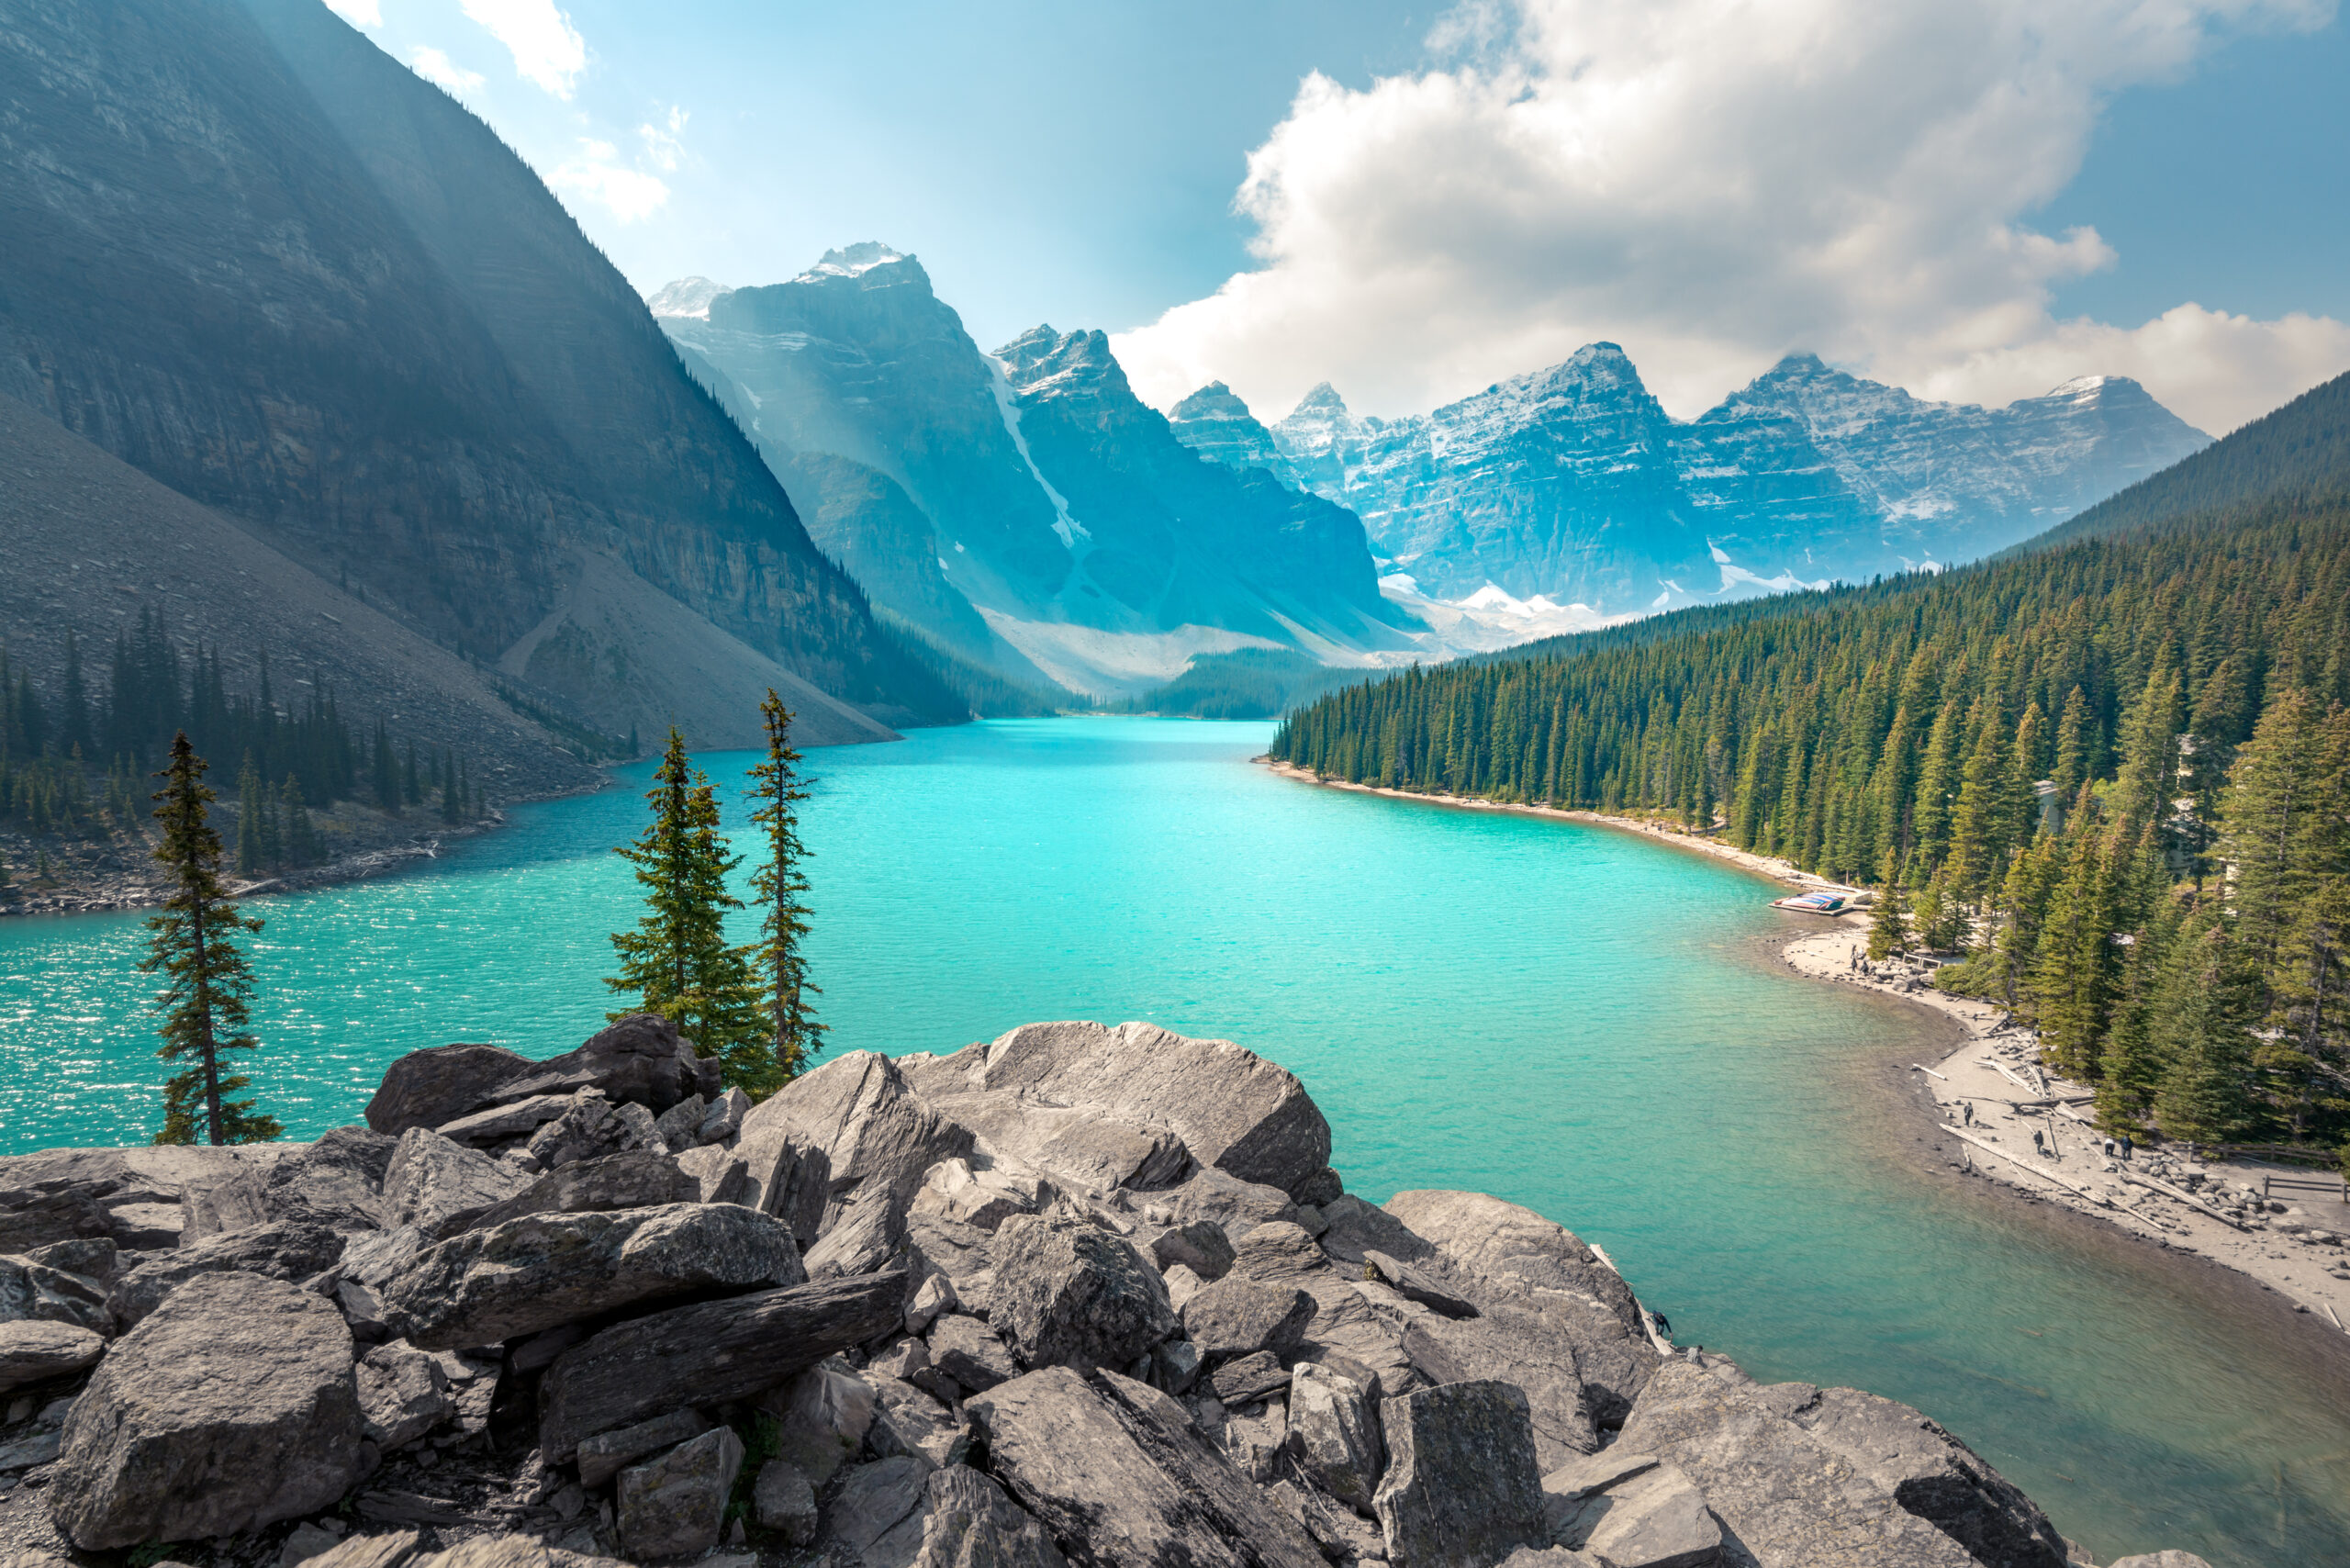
<point>2113,775</point>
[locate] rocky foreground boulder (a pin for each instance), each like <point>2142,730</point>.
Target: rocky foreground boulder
<point>1079,1295</point>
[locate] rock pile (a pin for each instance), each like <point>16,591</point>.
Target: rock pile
<point>1078,1296</point>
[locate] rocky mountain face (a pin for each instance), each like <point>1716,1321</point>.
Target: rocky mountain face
<point>1024,509</point>
<point>256,258</point>
<point>1077,1295</point>
<point>1571,488</point>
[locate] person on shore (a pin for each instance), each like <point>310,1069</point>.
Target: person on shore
<point>1968,1105</point>
<point>2039,1144</point>
<point>2125,1146</point>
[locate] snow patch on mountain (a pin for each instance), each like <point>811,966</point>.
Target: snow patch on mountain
<point>1064,522</point>
<point>685,299</point>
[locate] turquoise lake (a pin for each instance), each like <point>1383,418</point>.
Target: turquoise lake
<point>1572,1018</point>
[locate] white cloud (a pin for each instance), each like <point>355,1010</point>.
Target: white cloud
<point>596,173</point>
<point>440,70</point>
<point>665,145</point>
<point>358,12</point>
<point>1713,182</point>
<point>547,49</point>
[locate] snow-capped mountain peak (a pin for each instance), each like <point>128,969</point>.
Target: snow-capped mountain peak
<point>854,261</point>
<point>685,299</point>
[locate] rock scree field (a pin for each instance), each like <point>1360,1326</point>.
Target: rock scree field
<point>1080,1294</point>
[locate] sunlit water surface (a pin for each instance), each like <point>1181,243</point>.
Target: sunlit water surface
<point>1572,1018</point>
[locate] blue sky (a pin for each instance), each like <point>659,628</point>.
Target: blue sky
<point>1972,202</point>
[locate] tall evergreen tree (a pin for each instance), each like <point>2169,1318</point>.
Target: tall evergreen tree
<point>207,999</point>
<point>793,1033</point>
<point>249,829</point>
<point>677,961</point>
<point>2204,1009</point>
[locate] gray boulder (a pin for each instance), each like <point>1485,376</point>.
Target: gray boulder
<point>877,1139</point>
<point>637,1179</point>
<point>2161,1559</point>
<point>501,1125</point>
<point>707,1353</point>
<point>1517,1348</point>
<point>971,1524</point>
<point>95,1258</point>
<point>284,1249</point>
<point>231,1406</point>
<point>35,1292</point>
<point>1334,1433</point>
<point>592,1127</point>
<point>640,1060</point>
<point>1230,1109</point>
<point>1120,1477</point>
<point>1249,1379</point>
<point>877,1512</point>
<point>1237,1316</point>
<point>970,1352</point>
<point>1068,1294</point>
<point>722,1117</point>
<point>961,1255</point>
<point>1800,1477</point>
<point>606,1454</point>
<point>681,1124</point>
<point>1501,1258</point>
<point>676,1505</point>
<point>386,1551</point>
<point>403,1394</point>
<point>1413,1285</point>
<point>981,1199</point>
<point>35,1351</point>
<point>135,1196</point>
<point>822,1417</point>
<point>441,1187</point>
<point>440,1084</point>
<point>908,1423</point>
<point>543,1270</point>
<point>337,1182</point>
<point>1200,1245</point>
<point>1462,1489</point>
<point>783,1500</point>
<point>1631,1511</point>
<point>1279,1251</point>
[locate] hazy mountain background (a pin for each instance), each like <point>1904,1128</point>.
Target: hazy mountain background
<point>1571,487</point>
<point>1023,508</point>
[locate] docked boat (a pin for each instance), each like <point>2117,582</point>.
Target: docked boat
<point>1814,903</point>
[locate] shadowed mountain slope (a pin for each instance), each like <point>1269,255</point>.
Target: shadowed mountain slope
<point>258,259</point>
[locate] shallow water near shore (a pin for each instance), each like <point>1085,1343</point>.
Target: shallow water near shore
<point>1576,1019</point>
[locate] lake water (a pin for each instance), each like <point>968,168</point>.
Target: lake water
<point>1572,1018</point>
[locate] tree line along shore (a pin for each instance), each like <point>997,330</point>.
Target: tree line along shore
<point>2113,775</point>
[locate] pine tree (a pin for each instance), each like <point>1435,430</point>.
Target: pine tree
<point>2203,1012</point>
<point>793,1033</point>
<point>2271,796</point>
<point>1889,928</point>
<point>249,849</point>
<point>207,1001</point>
<point>2073,979</point>
<point>445,773</point>
<point>677,961</point>
<point>301,833</point>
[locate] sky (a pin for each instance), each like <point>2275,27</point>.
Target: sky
<point>1975,199</point>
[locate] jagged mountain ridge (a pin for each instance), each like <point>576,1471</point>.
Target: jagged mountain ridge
<point>1026,509</point>
<point>1572,485</point>
<point>261,261</point>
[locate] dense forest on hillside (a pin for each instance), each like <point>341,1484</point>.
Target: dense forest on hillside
<point>75,761</point>
<point>2117,773</point>
<point>1247,683</point>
